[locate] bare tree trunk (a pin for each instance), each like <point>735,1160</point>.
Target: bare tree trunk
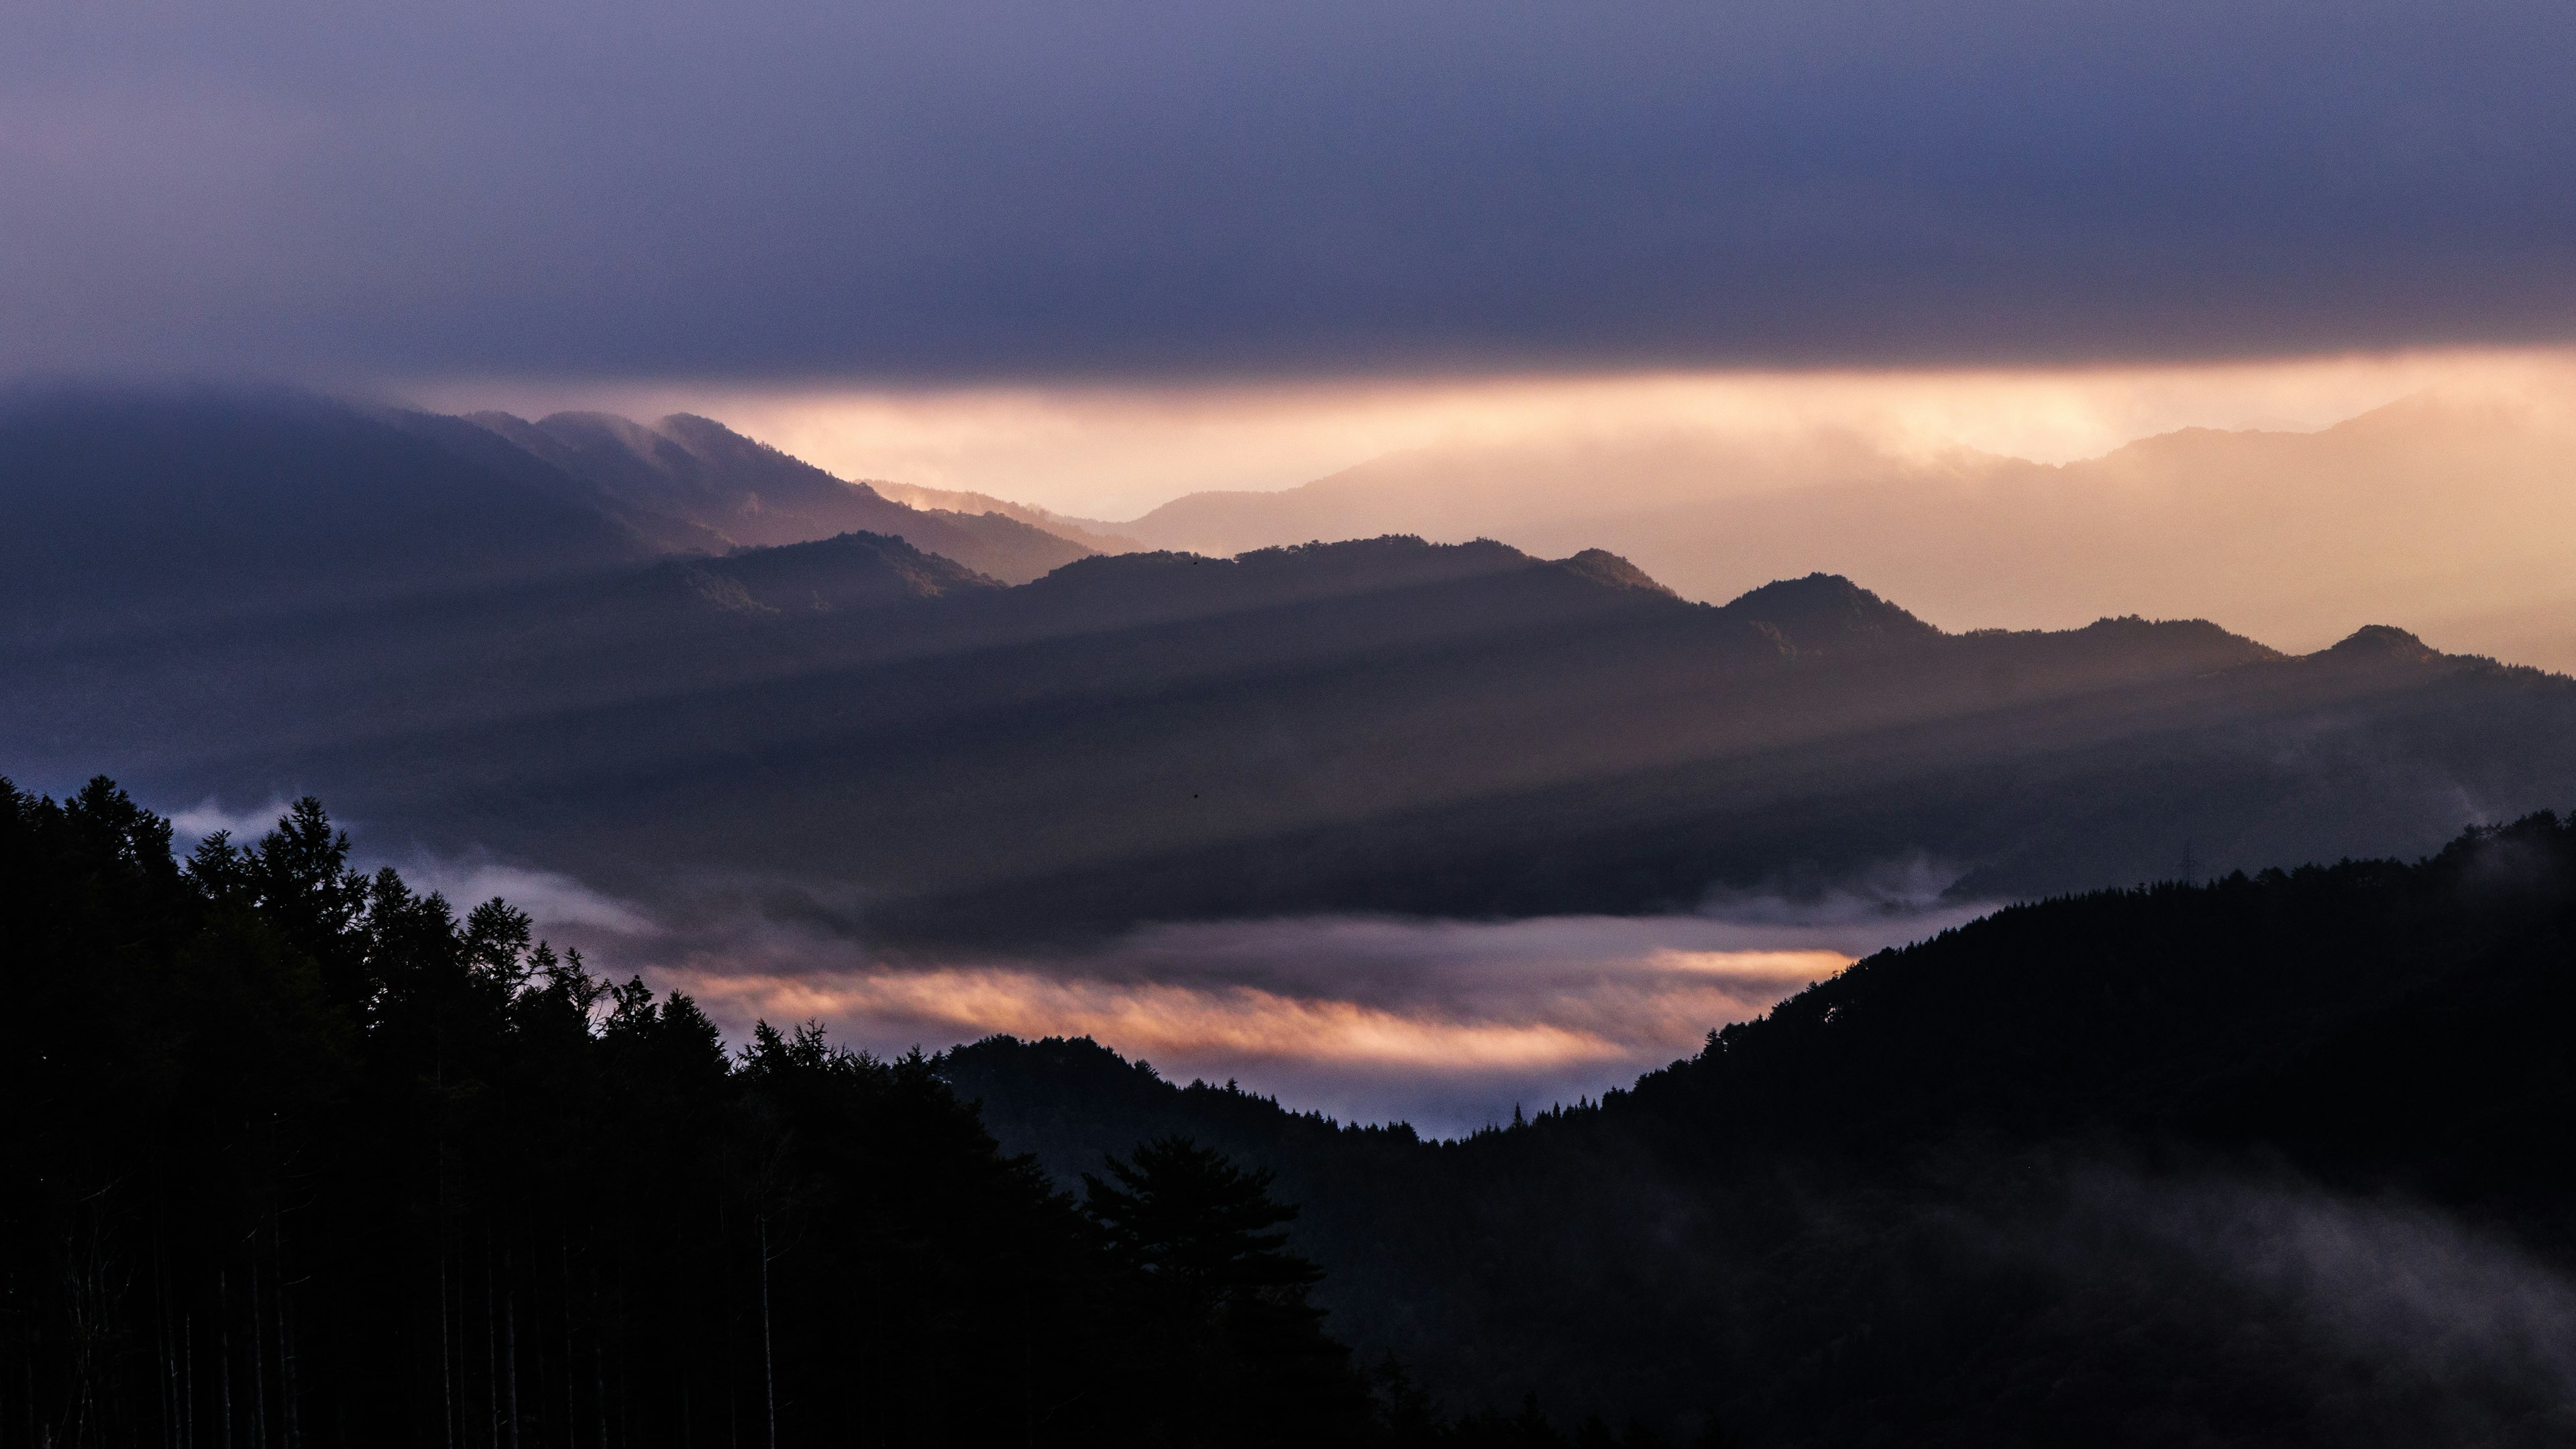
<point>289,1389</point>
<point>510,1342</point>
<point>161,1331</point>
<point>491,1345</point>
<point>768,1351</point>
<point>258,1358</point>
<point>572,1359</point>
<point>224,1348</point>
<point>446,1367</point>
<point>598,1366</point>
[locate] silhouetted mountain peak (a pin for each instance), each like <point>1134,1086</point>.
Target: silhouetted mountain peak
<point>1604,567</point>
<point>1827,611</point>
<point>705,475</point>
<point>850,571</point>
<point>2382,643</point>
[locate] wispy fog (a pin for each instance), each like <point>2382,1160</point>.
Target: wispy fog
<point>208,816</point>
<point>2443,1331</point>
<point>554,900</point>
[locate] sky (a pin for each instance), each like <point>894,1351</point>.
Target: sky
<point>804,192</point>
<point>1111,451</point>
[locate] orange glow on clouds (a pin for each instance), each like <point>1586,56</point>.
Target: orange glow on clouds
<point>1115,452</point>
<point>1665,1007</point>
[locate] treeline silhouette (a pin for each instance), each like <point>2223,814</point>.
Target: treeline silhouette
<point>295,1155</point>
<point>299,1156</point>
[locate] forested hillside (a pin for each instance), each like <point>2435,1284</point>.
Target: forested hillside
<point>296,1156</point>
<point>2272,1160</point>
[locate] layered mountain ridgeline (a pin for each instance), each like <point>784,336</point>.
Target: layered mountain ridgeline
<point>2444,513</point>
<point>2277,1160</point>
<point>153,511</point>
<point>1093,536</point>
<point>889,743</point>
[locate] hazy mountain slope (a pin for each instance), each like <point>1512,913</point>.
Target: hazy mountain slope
<point>949,500</point>
<point>696,470</point>
<point>119,507</point>
<point>2448,515</point>
<point>2248,1164</point>
<point>1376,726</point>
<point>851,571</point>
<point>664,532</point>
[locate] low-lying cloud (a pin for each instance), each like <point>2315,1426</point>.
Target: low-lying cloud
<point>2386,1319</point>
<point>1447,1024</point>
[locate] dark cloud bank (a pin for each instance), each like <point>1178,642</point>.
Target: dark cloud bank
<point>983,189</point>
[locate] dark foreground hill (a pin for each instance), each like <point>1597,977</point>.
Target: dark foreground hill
<point>296,1155</point>
<point>2281,1160</point>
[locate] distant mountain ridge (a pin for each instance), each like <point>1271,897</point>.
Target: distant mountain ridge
<point>2444,512</point>
<point>741,492</point>
<point>137,509</point>
<point>1082,531</point>
<point>120,507</point>
<point>847,571</point>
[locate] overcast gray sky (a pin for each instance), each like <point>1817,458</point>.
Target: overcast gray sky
<point>996,190</point>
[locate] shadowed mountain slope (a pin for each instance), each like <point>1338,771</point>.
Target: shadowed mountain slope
<point>698,471</point>
<point>167,508</point>
<point>951,500</point>
<point>851,571</point>
<point>1383,725</point>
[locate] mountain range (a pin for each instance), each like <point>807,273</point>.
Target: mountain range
<point>903,745</point>
<point>2442,513</point>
